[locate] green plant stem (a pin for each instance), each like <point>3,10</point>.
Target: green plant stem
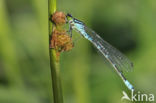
<point>54,60</point>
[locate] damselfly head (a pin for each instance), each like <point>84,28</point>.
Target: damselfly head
<point>71,19</point>
<point>69,15</point>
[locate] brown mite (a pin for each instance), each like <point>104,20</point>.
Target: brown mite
<point>61,41</point>
<point>59,18</point>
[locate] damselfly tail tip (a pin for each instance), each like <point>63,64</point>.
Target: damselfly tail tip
<point>127,83</point>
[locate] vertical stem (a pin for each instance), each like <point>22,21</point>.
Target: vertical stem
<point>51,10</point>
<point>54,60</point>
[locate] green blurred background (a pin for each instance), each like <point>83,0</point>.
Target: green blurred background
<point>25,77</point>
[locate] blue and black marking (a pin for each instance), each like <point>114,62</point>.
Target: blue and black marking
<point>103,47</point>
<point>127,83</point>
<point>79,25</point>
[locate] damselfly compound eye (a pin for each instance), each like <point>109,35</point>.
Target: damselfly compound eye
<point>69,15</point>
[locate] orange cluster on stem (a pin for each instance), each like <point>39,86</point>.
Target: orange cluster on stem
<point>59,18</point>
<point>60,40</point>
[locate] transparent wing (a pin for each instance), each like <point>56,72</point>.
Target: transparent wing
<point>114,56</point>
